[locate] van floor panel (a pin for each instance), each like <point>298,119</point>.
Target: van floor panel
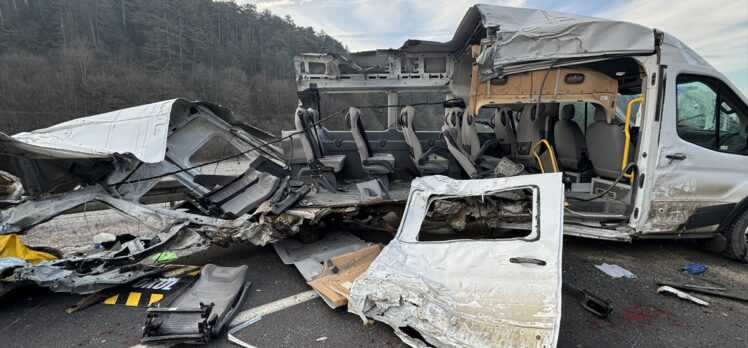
<point>350,196</point>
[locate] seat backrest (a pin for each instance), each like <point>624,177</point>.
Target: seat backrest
<point>526,129</point>
<point>503,127</point>
<point>453,119</point>
<point>469,135</point>
<point>359,133</point>
<point>605,144</point>
<point>545,124</point>
<point>304,120</point>
<point>406,124</point>
<point>569,139</point>
<point>449,136</point>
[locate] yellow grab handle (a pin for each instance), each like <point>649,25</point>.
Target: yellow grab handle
<point>550,150</point>
<point>626,145</point>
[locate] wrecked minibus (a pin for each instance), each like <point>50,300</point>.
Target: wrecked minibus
<point>469,159</point>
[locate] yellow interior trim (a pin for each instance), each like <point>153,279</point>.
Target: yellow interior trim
<point>626,131</point>
<point>550,150</point>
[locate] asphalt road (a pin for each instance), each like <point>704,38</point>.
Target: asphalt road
<point>33,317</point>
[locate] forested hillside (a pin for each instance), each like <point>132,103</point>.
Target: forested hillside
<point>62,59</point>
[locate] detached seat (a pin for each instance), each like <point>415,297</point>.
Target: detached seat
<point>430,162</point>
<point>376,165</point>
<point>322,167</point>
<point>606,142</point>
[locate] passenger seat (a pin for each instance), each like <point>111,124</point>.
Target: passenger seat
<point>606,142</point>
<point>428,163</point>
<point>471,143</point>
<point>503,127</point>
<point>376,165</point>
<point>570,144</point>
<point>320,164</point>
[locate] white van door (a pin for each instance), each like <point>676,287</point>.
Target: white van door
<point>702,164</point>
<point>496,284</point>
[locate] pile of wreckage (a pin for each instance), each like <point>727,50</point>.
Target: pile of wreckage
<point>117,160</point>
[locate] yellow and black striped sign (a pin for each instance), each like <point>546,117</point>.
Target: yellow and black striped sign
<point>148,291</point>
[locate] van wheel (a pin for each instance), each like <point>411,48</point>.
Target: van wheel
<point>737,238</point>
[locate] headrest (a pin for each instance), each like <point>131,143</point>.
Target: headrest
<point>406,116</point>
<point>352,117</point>
<point>567,112</point>
<point>600,114</point>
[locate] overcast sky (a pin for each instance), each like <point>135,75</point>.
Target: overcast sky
<point>716,29</point>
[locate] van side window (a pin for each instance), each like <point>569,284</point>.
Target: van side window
<point>709,114</point>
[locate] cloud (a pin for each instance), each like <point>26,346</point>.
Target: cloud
<point>716,29</point>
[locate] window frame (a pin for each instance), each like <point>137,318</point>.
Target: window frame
<point>720,88</point>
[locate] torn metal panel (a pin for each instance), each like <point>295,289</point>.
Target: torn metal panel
<point>464,292</point>
<point>130,261</point>
<point>309,258</point>
<point>334,282</point>
<point>127,145</point>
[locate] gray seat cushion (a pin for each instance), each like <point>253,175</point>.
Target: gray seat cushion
<point>571,145</point>
<point>335,162</point>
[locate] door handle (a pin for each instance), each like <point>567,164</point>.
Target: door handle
<point>675,157</point>
<point>531,260</point>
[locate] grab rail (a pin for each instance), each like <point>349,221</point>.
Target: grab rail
<point>550,150</point>
<point>626,145</point>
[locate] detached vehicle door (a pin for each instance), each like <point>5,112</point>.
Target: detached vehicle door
<point>476,286</point>
<point>702,165</point>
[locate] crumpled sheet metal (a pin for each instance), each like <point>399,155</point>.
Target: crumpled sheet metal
<point>113,267</point>
<point>465,293</point>
<point>140,131</point>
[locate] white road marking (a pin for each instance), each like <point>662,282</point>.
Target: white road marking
<point>273,307</point>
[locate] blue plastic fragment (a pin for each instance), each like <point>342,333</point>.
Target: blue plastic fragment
<point>694,268</point>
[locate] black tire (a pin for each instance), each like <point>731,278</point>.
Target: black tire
<point>737,238</point>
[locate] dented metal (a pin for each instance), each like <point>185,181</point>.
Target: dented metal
<point>469,293</point>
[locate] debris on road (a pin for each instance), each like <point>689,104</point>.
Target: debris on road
<point>719,292</point>
<point>201,310</point>
<point>12,246</point>
<point>681,294</point>
<point>694,268</point>
<point>615,271</point>
<point>240,327</point>
<point>591,302</point>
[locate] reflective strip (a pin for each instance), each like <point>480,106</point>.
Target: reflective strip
<point>111,300</point>
<point>133,299</point>
<point>155,298</point>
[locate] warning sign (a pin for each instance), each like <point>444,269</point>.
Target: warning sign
<point>148,291</point>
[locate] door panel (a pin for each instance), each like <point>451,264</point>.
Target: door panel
<point>481,289</point>
<point>694,168</point>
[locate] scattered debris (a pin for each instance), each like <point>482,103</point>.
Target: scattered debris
<point>12,246</point>
<point>615,271</point>
<point>591,302</point>
<point>309,258</point>
<point>681,294</point>
<point>335,281</point>
<point>323,338</point>
<point>201,310</point>
<point>694,268</point>
<point>693,287</point>
<point>708,291</point>
<point>240,327</point>
<point>165,256</point>
<point>272,307</point>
